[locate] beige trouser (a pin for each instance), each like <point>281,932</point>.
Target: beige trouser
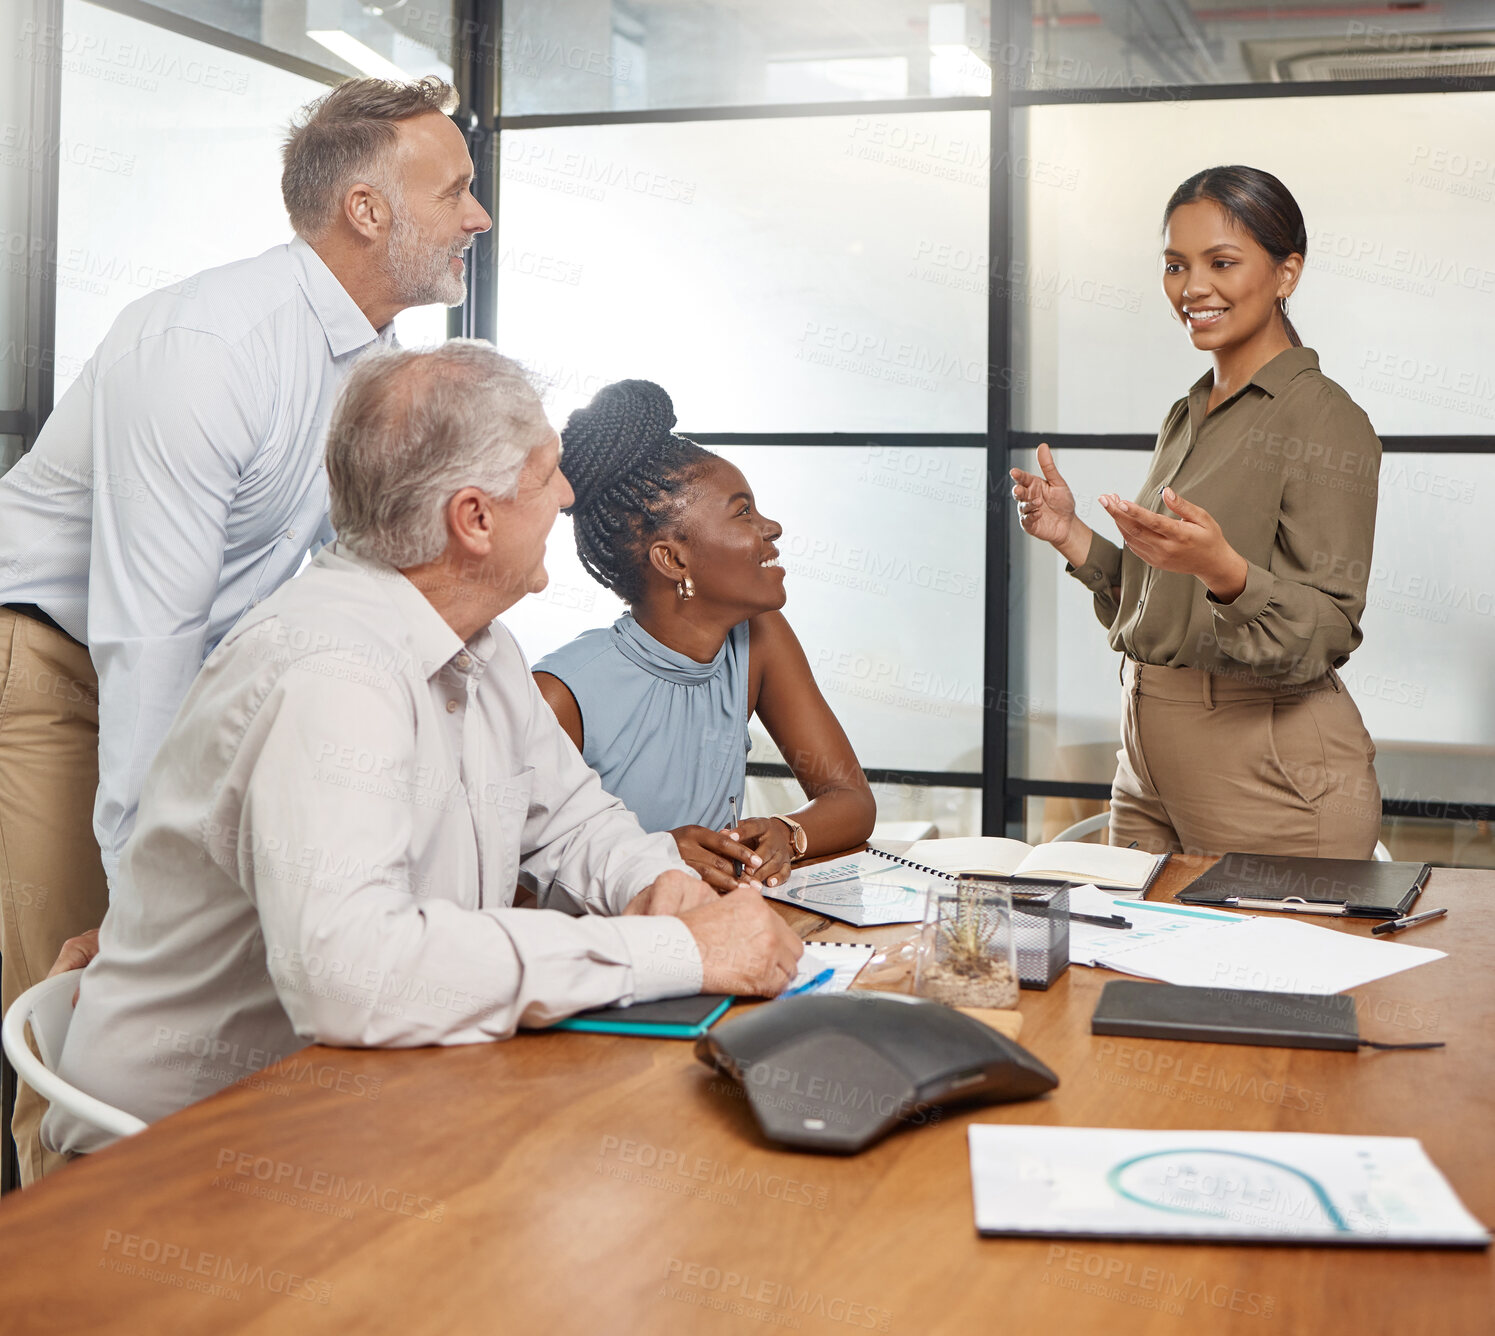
<point>1211,764</point>
<point>52,883</point>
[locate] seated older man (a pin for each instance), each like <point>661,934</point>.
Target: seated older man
<point>332,836</point>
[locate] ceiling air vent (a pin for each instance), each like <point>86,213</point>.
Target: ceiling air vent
<point>1395,56</point>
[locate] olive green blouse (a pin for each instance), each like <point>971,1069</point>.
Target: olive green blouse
<point>1288,466</point>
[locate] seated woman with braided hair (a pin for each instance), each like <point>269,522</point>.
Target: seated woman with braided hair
<point>659,702</point>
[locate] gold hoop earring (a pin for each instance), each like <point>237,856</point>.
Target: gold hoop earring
<point>686,588</point>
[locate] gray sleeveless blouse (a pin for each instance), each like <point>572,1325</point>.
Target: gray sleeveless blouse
<point>667,735</point>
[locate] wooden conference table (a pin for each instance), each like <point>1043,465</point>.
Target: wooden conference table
<point>562,1183</point>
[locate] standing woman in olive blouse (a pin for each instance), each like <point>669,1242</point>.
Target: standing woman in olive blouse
<point>1243,578</point>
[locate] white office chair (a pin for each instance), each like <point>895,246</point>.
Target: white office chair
<point>1101,820</point>
<point>49,1008</point>
<point>1081,829</point>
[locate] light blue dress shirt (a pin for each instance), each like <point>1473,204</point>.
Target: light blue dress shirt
<point>667,735</point>
<point>178,481</point>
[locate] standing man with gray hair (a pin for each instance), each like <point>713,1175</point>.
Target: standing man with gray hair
<point>180,480</point>
<point>331,839</point>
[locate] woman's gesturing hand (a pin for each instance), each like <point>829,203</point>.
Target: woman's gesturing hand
<point>1045,505</point>
<point>1193,544</point>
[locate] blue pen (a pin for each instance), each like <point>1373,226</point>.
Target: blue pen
<point>825,976</point>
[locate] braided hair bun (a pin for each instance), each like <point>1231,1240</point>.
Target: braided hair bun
<point>606,437</point>
<point>627,469</point>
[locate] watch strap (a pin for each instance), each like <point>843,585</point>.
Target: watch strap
<point>797,836</point>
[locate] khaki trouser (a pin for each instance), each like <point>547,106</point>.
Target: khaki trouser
<point>52,883</point>
<point>1211,764</point>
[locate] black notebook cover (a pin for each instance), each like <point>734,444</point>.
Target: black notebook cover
<point>1226,1016</point>
<point>1364,889</point>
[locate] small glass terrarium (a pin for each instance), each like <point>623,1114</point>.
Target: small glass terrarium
<point>967,955</point>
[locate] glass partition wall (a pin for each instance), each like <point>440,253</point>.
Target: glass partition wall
<point>876,250</point>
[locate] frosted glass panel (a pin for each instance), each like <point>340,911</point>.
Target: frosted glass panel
<point>1399,280</point>
<point>1062,671</point>
<point>596,55</point>
<point>351,38</point>
<point>883,554</point>
<point>903,810</point>
<point>23,150</point>
<point>175,208</point>
<point>1421,677</point>
<point>774,275</point>
<point>184,174</point>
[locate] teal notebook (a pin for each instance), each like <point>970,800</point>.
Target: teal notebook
<point>674,1018</point>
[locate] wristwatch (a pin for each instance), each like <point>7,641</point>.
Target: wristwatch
<point>797,836</point>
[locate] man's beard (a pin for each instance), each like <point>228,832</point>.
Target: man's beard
<point>419,275</point>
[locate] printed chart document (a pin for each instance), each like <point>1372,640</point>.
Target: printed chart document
<point>1207,1186</point>
<point>861,889</point>
<point>1213,949</point>
<point>1091,945</point>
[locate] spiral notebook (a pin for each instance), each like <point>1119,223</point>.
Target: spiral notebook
<point>1128,872</point>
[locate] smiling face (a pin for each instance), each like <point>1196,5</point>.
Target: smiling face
<point>726,547</point>
<point>436,217</point>
<point>524,521</point>
<point>1221,282</point>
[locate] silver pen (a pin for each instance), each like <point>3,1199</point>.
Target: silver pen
<point>1396,925</point>
<point>737,868</point>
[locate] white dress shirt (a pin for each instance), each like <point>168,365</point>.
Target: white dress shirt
<point>179,480</point>
<point>328,849</point>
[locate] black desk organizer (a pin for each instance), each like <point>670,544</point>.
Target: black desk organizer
<point>1040,929</point>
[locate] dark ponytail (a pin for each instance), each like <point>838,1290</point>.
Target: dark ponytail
<point>627,468</point>
<point>1260,205</point>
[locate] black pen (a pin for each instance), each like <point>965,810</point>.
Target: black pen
<point>1114,921</point>
<point>1396,925</point>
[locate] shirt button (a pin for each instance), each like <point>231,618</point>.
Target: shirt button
<point>463,661</point>
<point>451,707</point>
<point>290,533</point>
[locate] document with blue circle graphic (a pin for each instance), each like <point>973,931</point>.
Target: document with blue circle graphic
<point>1210,1186</point>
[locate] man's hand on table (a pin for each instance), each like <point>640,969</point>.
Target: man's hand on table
<point>745,947</point>
<point>671,893</point>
